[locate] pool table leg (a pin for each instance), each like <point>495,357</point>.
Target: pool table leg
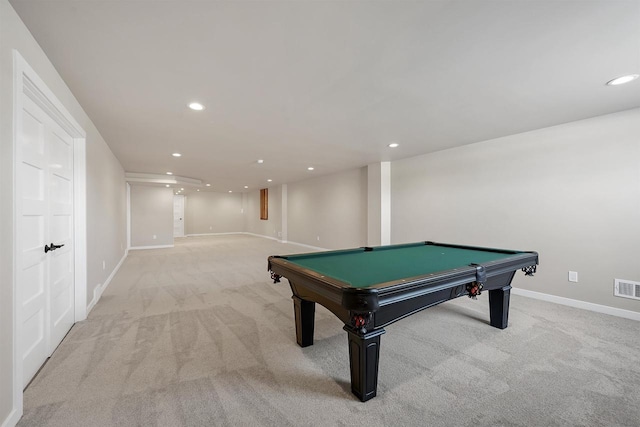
<point>305,318</point>
<point>499,306</point>
<point>364,353</point>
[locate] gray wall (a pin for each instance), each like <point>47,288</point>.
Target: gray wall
<point>271,227</point>
<point>106,215</point>
<point>151,215</point>
<point>570,192</point>
<point>333,208</point>
<point>209,212</point>
<point>106,195</point>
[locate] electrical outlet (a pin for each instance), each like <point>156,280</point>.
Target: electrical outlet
<point>573,276</point>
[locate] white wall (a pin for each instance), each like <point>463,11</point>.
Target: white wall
<point>379,204</point>
<point>271,227</point>
<point>7,20</point>
<point>570,192</point>
<point>105,213</point>
<point>210,212</point>
<point>151,216</point>
<point>332,208</point>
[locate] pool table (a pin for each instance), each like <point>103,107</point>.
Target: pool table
<point>370,287</point>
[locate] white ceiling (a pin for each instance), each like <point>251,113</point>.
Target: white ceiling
<point>330,84</point>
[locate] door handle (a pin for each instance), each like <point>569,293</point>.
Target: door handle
<point>53,247</point>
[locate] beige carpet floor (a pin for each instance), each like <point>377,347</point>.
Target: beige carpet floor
<point>198,335</point>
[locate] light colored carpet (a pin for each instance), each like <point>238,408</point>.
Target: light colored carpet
<point>198,335</point>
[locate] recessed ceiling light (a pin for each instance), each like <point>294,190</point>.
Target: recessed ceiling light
<point>169,173</point>
<point>230,191</point>
<point>269,180</point>
<point>167,185</point>
<point>208,185</point>
<point>198,189</point>
<point>622,80</point>
<point>310,168</point>
<point>196,106</point>
<point>260,161</point>
<point>246,186</point>
<point>393,145</point>
<point>182,189</point>
<point>176,154</point>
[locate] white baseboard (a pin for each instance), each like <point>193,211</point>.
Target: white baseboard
<point>98,290</point>
<point>259,235</point>
<point>236,232</point>
<point>140,248</point>
<point>12,419</point>
<point>315,248</point>
<point>213,234</point>
<point>286,241</point>
<point>263,236</point>
<point>598,308</point>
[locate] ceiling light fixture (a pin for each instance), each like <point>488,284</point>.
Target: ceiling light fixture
<point>246,186</point>
<point>196,106</point>
<point>169,173</point>
<point>208,185</point>
<point>176,155</point>
<point>167,186</point>
<point>260,161</point>
<point>182,189</point>
<point>230,191</point>
<point>393,145</point>
<point>269,180</point>
<point>310,168</point>
<point>622,80</point>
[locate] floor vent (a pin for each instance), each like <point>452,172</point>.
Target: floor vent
<point>627,289</point>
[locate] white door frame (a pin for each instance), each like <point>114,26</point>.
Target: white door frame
<point>184,199</point>
<point>27,84</point>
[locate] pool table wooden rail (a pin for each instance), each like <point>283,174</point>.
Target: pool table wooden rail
<point>394,300</point>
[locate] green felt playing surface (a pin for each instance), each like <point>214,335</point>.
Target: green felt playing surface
<point>360,268</point>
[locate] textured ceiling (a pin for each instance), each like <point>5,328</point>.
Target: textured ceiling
<point>329,84</point>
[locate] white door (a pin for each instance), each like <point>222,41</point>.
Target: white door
<point>178,215</point>
<point>45,197</point>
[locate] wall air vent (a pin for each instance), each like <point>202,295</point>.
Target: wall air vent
<point>627,289</point>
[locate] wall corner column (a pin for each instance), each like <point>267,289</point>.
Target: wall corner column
<point>379,204</point>
<point>284,214</point>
